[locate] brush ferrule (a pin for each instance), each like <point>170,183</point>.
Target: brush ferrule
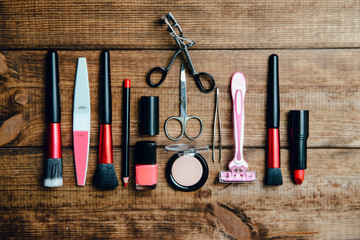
<point>54,140</point>
<point>273,153</point>
<point>105,145</point>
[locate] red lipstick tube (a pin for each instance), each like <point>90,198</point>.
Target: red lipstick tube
<point>298,133</point>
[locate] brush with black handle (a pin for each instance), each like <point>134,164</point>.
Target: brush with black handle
<point>273,174</point>
<point>53,175</point>
<point>105,175</point>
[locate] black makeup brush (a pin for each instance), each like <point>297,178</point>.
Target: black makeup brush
<point>273,173</point>
<point>105,175</point>
<point>53,175</point>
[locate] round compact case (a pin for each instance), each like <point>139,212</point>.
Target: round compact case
<point>187,170</point>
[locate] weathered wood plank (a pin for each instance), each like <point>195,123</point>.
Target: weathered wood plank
<point>225,24</point>
<point>111,222</point>
<point>325,206</point>
<point>323,81</point>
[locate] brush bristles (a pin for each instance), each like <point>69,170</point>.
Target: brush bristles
<point>105,177</point>
<point>274,177</point>
<point>53,176</point>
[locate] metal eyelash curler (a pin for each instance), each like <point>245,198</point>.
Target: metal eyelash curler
<point>184,44</point>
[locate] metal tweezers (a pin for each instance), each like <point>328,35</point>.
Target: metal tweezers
<point>217,115</point>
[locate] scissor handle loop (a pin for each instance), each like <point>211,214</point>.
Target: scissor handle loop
<point>179,119</point>
<point>201,127</point>
<point>199,83</point>
<point>163,71</point>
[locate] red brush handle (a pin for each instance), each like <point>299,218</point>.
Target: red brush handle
<point>105,145</point>
<point>273,148</point>
<point>54,140</point>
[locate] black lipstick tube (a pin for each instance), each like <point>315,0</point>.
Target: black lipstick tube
<point>299,133</point>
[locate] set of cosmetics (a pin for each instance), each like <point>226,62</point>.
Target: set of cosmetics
<point>187,170</point>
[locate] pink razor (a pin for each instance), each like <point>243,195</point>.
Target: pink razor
<point>238,166</point>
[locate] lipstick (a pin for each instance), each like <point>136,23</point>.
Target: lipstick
<point>273,173</point>
<point>298,134</point>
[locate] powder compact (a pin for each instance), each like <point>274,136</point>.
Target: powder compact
<point>187,170</point>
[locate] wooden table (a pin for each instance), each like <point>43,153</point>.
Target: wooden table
<point>318,47</point>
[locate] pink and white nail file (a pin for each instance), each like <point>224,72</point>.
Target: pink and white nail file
<point>81,121</point>
<point>238,166</point>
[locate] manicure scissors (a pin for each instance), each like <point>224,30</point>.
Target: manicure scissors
<point>183,118</point>
<point>183,47</point>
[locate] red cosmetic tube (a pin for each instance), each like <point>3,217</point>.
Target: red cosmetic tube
<point>273,148</point>
<point>105,145</point>
<point>54,140</point>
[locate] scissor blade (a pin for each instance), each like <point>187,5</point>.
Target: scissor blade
<point>182,73</point>
<point>182,91</point>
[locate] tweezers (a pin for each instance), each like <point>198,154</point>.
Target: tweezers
<point>217,115</point>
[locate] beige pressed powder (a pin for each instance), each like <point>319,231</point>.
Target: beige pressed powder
<point>187,170</point>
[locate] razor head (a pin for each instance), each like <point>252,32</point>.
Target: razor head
<point>237,177</point>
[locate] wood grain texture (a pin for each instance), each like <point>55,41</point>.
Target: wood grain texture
<point>223,24</point>
<point>318,47</point>
<point>325,206</point>
<point>322,81</point>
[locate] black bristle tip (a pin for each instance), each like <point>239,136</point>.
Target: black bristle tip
<point>105,177</point>
<point>274,177</point>
<point>53,174</point>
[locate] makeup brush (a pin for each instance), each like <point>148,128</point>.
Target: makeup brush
<point>273,174</point>
<point>53,175</point>
<point>105,175</point>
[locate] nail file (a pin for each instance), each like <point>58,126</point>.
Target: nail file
<point>81,121</point>
<point>238,166</point>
